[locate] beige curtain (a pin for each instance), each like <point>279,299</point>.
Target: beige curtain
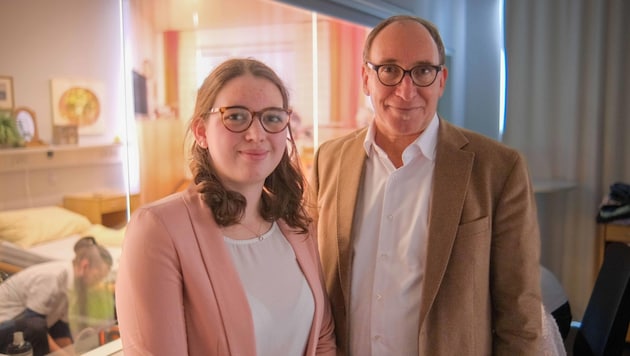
<point>346,43</point>
<point>568,111</point>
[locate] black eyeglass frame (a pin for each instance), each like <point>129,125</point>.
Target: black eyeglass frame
<point>223,109</point>
<point>376,67</point>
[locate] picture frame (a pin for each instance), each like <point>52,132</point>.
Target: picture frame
<point>65,135</point>
<point>26,122</point>
<point>6,93</point>
<point>78,102</point>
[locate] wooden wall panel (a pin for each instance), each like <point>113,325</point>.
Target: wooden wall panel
<point>161,158</point>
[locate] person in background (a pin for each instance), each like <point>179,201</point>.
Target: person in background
<point>230,266</point>
<point>36,299</point>
<point>428,232</point>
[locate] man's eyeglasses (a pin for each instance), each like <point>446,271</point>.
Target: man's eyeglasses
<point>239,118</point>
<point>391,74</point>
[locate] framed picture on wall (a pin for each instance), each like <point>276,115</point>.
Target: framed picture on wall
<point>6,93</point>
<point>78,103</point>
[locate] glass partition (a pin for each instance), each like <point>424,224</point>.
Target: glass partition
<point>317,56</point>
<point>110,86</point>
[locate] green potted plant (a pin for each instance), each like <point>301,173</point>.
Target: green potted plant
<point>9,133</point>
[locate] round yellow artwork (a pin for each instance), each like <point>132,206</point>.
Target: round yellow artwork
<point>79,106</point>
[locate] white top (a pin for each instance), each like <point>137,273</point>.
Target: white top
<point>280,299</point>
<point>389,248</point>
<point>553,293</point>
<point>553,345</point>
<point>43,288</point>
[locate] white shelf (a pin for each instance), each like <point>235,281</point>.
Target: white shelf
<point>46,157</point>
<point>552,186</point>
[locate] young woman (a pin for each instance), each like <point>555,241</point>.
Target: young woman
<point>230,266</point>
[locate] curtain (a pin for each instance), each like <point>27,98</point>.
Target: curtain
<point>568,112</point>
<point>346,44</point>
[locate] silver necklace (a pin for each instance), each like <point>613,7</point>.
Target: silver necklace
<point>258,235</point>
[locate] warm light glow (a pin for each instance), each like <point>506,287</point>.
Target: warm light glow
<point>195,17</point>
<point>502,84</point>
<point>315,81</point>
<point>128,134</point>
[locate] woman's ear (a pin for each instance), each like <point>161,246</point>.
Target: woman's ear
<point>199,131</point>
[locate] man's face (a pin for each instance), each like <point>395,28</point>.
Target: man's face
<point>93,273</point>
<point>403,109</point>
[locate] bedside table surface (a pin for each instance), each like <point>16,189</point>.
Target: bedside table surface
<point>107,208</point>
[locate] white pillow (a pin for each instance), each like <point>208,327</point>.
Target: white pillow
<point>106,236</point>
<point>31,226</point>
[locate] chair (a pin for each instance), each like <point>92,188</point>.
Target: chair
<point>605,322</point>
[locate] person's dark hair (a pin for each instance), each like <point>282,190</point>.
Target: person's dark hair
<point>283,192</point>
<point>433,31</point>
<point>86,247</point>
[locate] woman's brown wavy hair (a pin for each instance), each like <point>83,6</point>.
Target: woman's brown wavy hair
<point>283,190</point>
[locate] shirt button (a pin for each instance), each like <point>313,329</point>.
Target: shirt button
<point>390,216</point>
<point>376,337</point>
<point>379,297</point>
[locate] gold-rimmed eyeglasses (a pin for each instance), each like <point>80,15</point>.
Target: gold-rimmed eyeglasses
<point>239,118</point>
<point>390,75</point>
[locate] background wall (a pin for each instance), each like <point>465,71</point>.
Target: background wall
<point>71,39</point>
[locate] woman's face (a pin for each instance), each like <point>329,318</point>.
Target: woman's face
<point>245,158</point>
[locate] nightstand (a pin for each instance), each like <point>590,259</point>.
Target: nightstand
<point>610,232</point>
<point>108,209</point>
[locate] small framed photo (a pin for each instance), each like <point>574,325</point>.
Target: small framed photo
<point>65,135</point>
<point>6,93</point>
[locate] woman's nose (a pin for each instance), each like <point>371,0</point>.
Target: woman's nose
<point>255,132</point>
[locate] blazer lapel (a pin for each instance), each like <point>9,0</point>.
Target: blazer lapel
<point>349,180</point>
<point>310,269</point>
<point>224,279</point>
<point>452,173</point>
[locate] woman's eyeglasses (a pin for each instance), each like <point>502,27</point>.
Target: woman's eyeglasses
<point>239,118</point>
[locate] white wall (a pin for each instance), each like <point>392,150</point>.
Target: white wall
<point>71,39</point>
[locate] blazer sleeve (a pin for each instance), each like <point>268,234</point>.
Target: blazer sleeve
<point>516,291</point>
<point>150,280</point>
<point>326,344</point>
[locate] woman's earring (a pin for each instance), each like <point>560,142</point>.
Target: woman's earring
<point>202,143</point>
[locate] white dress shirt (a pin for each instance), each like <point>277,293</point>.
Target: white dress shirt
<point>389,246</point>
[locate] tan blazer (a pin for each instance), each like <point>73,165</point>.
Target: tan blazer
<point>174,250</point>
<point>481,292</point>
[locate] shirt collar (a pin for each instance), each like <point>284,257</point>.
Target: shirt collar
<point>425,143</point>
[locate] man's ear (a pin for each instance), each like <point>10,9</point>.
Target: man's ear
<point>82,266</point>
<point>364,80</point>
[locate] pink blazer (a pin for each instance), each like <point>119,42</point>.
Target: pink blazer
<point>178,293</point>
<point>481,292</point>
